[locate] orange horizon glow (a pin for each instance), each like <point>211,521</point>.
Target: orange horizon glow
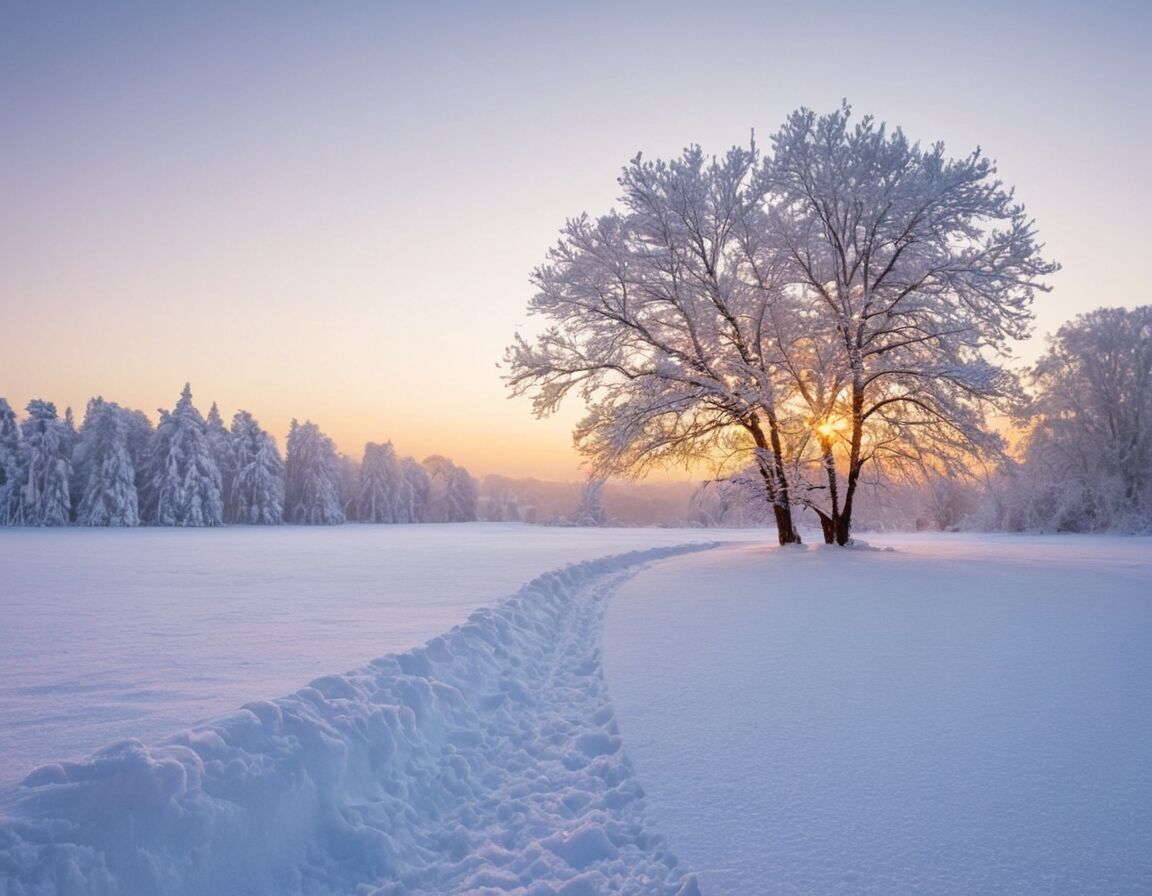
<point>332,213</point>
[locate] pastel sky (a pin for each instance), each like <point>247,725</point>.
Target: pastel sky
<point>330,210</point>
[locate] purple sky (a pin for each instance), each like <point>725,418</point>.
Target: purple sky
<point>329,211</point>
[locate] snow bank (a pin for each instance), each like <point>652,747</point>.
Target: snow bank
<point>113,633</point>
<point>487,761</point>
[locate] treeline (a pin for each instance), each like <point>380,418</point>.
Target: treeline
<point>116,469</point>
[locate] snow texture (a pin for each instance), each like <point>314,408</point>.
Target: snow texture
<point>110,634</point>
<point>963,715</point>
<point>486,761</point>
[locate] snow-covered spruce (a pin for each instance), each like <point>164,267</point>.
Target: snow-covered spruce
<point>486,761</point>
<point>183,481</point>
<point>312,477</point>
<point>256,496</point>
<point>104,472</point>
<point>9,466</point>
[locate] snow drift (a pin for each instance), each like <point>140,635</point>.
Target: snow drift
<point>486,761</point>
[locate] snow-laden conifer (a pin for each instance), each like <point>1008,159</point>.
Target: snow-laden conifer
<point>412,496</point>
<point>9,466</point>
<point>45,467</point>
<point>184,481</point>
<point>104,471</point>
<point>220,448</point>
<point>378,491</point>
<point>312,477</point>
<point>453,494</point>
<point>257,494</point>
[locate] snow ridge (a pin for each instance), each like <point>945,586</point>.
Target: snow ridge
<point>487,761</point>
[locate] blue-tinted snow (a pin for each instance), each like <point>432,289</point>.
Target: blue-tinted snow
<point>487,761</point>
<point>967,714</point>
<point>113,633</point>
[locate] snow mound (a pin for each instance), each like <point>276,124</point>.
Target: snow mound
<point>487,761</point>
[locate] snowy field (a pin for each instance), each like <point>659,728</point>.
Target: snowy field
<point>962,714</point>
<point>115,633</point>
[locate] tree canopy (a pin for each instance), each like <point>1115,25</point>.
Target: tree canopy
<point>844,299</point>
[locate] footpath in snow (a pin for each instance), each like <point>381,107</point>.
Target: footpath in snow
<point>487,761</point>
<point>113,633</point>
<point>962,715</point>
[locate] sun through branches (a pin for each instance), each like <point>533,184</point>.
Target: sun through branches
<point>845,299</point>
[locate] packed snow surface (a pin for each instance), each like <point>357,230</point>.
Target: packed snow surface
<point>961,715</point>
<point>486,761</point>
<point>114,633</point>
<point>957,715</point>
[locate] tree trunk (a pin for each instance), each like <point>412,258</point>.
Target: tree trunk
<point>828,526</point>
<point>775,479</point>
<point>829,522</point>
<point>844,524</point>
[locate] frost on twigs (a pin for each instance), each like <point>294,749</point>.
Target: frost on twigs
<point>841,301</point>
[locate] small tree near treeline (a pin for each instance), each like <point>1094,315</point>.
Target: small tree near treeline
<point>847,298</point>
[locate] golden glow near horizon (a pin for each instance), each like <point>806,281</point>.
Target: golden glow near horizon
<point>332,213</point>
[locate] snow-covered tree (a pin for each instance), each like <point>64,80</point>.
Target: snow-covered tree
<point>220,448</point>
<point>453,493</point>
<point>378,491</point>
<point>349,483</point>
<point>661,320</point>
<point>9,466</point>
<point>312,477</point>
<point>912,267</point>
<point>413,490</point>
<point>44,467</point>
<point>104,472</point>
<point>1089,453</point>
<point>825,307</point>
<point>590,510</point>
<point>184,481</point>
<point>257,494</point>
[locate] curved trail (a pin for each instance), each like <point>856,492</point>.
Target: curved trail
<point>488,761</point>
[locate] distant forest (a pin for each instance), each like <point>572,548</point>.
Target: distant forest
<point>116,469</point>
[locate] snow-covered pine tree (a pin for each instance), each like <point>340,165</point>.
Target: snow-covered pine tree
<point>412,497</point>
<point>140,434</point>
<point>9,466</point>
<point>104,474</point>
<point>453,496</point>
<point>312,477</point>
<point>379,486</point>
<point>220,447</point>
<point>184,481</point>
<point>257,494</point>
<point>45,467</point>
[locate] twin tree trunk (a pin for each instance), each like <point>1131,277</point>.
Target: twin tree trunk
<point>835,525</point>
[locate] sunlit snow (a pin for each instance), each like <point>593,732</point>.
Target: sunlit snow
<point>961,714</point>
<point>964,714</point>
<point>111,633</point>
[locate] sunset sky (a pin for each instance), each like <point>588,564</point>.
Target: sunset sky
<point>330,210</point>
